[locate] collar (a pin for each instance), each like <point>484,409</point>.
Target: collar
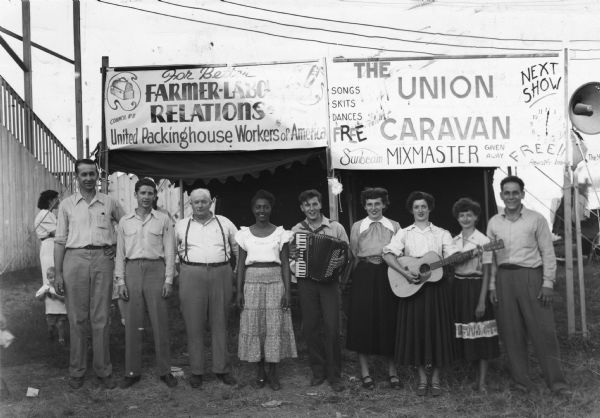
<point>385,222</point>
<point>520,211</point>
<point>97,198</point>
<point>133,214</point>
<point>324,221</point>
<point>209,220</point>
<point>413,226</point>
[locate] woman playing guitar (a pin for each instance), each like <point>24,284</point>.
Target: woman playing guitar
<point>424,335</point>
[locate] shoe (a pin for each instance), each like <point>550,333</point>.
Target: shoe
<point>367,382</point>
<point>436,389</point>
<point>261,382</point>
<point>421,389</point>
<point>317,380</point>
<point>129,381</point>
<point>75,382</point>
<point>274,382</point>
<point>394,382</point>
<point>196,381</point>
<point>107,381</point>
<point>337,386</point>
<point>227,379</point>
<point>563,391</point>
<point>169,380</point>
<point>522,389</point>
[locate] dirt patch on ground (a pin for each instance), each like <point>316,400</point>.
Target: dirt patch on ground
<point>33,361</point>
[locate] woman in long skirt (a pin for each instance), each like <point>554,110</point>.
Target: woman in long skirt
<point>424,335</point>
<point>263,293</point>
<point>373,306</point>
<point>476,329</point>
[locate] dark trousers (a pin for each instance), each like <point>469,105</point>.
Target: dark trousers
<point>319,303</point>
<point>145,280</point>
<point>521,315</point>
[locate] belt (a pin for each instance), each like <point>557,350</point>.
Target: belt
<point>270,264</point>
<point>144,259</point>
<point>45,238</point>
<point>468,276</point>
<point>189,263</point>
<point>91,247</point>
<point>510,266</point>
<point>373,259</point>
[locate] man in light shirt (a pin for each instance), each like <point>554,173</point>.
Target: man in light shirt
<point>144,268</point>
<point>84,261</point>
<point>522,285</point>
<point>206,244</point>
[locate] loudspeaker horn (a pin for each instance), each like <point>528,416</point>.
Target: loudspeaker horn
<point>584,108</point>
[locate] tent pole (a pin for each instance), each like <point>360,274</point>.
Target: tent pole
<point>333,199</point>
<point>486,193</point>
<point>568,204</point>
<point>104,147</point>
<point>580,274</point>
<point>181,199</point>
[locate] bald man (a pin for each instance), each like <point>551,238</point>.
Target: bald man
<point>206,243</point>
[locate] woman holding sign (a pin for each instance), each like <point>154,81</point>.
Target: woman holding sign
<point>424,334</point>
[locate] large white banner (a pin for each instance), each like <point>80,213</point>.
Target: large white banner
<point>402,114</point>
<point>238,108</point>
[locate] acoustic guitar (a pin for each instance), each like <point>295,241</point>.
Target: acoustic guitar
<point>429,268</point>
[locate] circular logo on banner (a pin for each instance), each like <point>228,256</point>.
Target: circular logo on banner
<point>123,91</point>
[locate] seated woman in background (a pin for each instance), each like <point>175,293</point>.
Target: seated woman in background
<point>373,306</point>
<point>476,330</point>
<point>263,292</point>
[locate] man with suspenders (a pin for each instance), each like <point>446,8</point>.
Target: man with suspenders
<point>206,244</point>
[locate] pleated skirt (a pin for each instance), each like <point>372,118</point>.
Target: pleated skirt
<point>266,330</point>
<point>425,327</point>
<point>372,311</point>
<point>477,339</point>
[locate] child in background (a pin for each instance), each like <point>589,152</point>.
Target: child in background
<point>56,311</point>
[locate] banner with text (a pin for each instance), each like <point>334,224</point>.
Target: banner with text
<point>403,114</point>
<point>238,108</point>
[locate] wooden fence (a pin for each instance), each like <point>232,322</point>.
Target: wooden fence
<point>121,187</point>
<point>28,130</point>
<point>22,179</point>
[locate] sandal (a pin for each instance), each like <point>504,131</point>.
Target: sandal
<point>367,382</point>
<point>394,381</point>
<point>422,389</point>
<point>436,389</point>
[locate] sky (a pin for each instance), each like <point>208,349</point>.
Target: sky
<point>153,32</point>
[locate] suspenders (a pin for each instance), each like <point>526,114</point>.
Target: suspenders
<point>187,230</point>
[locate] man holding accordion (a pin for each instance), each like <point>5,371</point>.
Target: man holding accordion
<point>319,296</point>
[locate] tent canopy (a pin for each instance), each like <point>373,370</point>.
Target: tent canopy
<point>191,166</point>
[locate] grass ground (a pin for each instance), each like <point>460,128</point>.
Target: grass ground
<point>33,361</point>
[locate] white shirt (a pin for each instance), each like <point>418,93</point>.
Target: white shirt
<point>413,241</point>
<point>44,223</point>
<point>263,249</point>
<point>474,266</point>
<point>205,241</point>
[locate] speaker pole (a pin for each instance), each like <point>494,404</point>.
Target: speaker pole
<point>580,275</point>
<point>567,205</point>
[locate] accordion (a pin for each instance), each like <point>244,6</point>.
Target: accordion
<point>319,257</point>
